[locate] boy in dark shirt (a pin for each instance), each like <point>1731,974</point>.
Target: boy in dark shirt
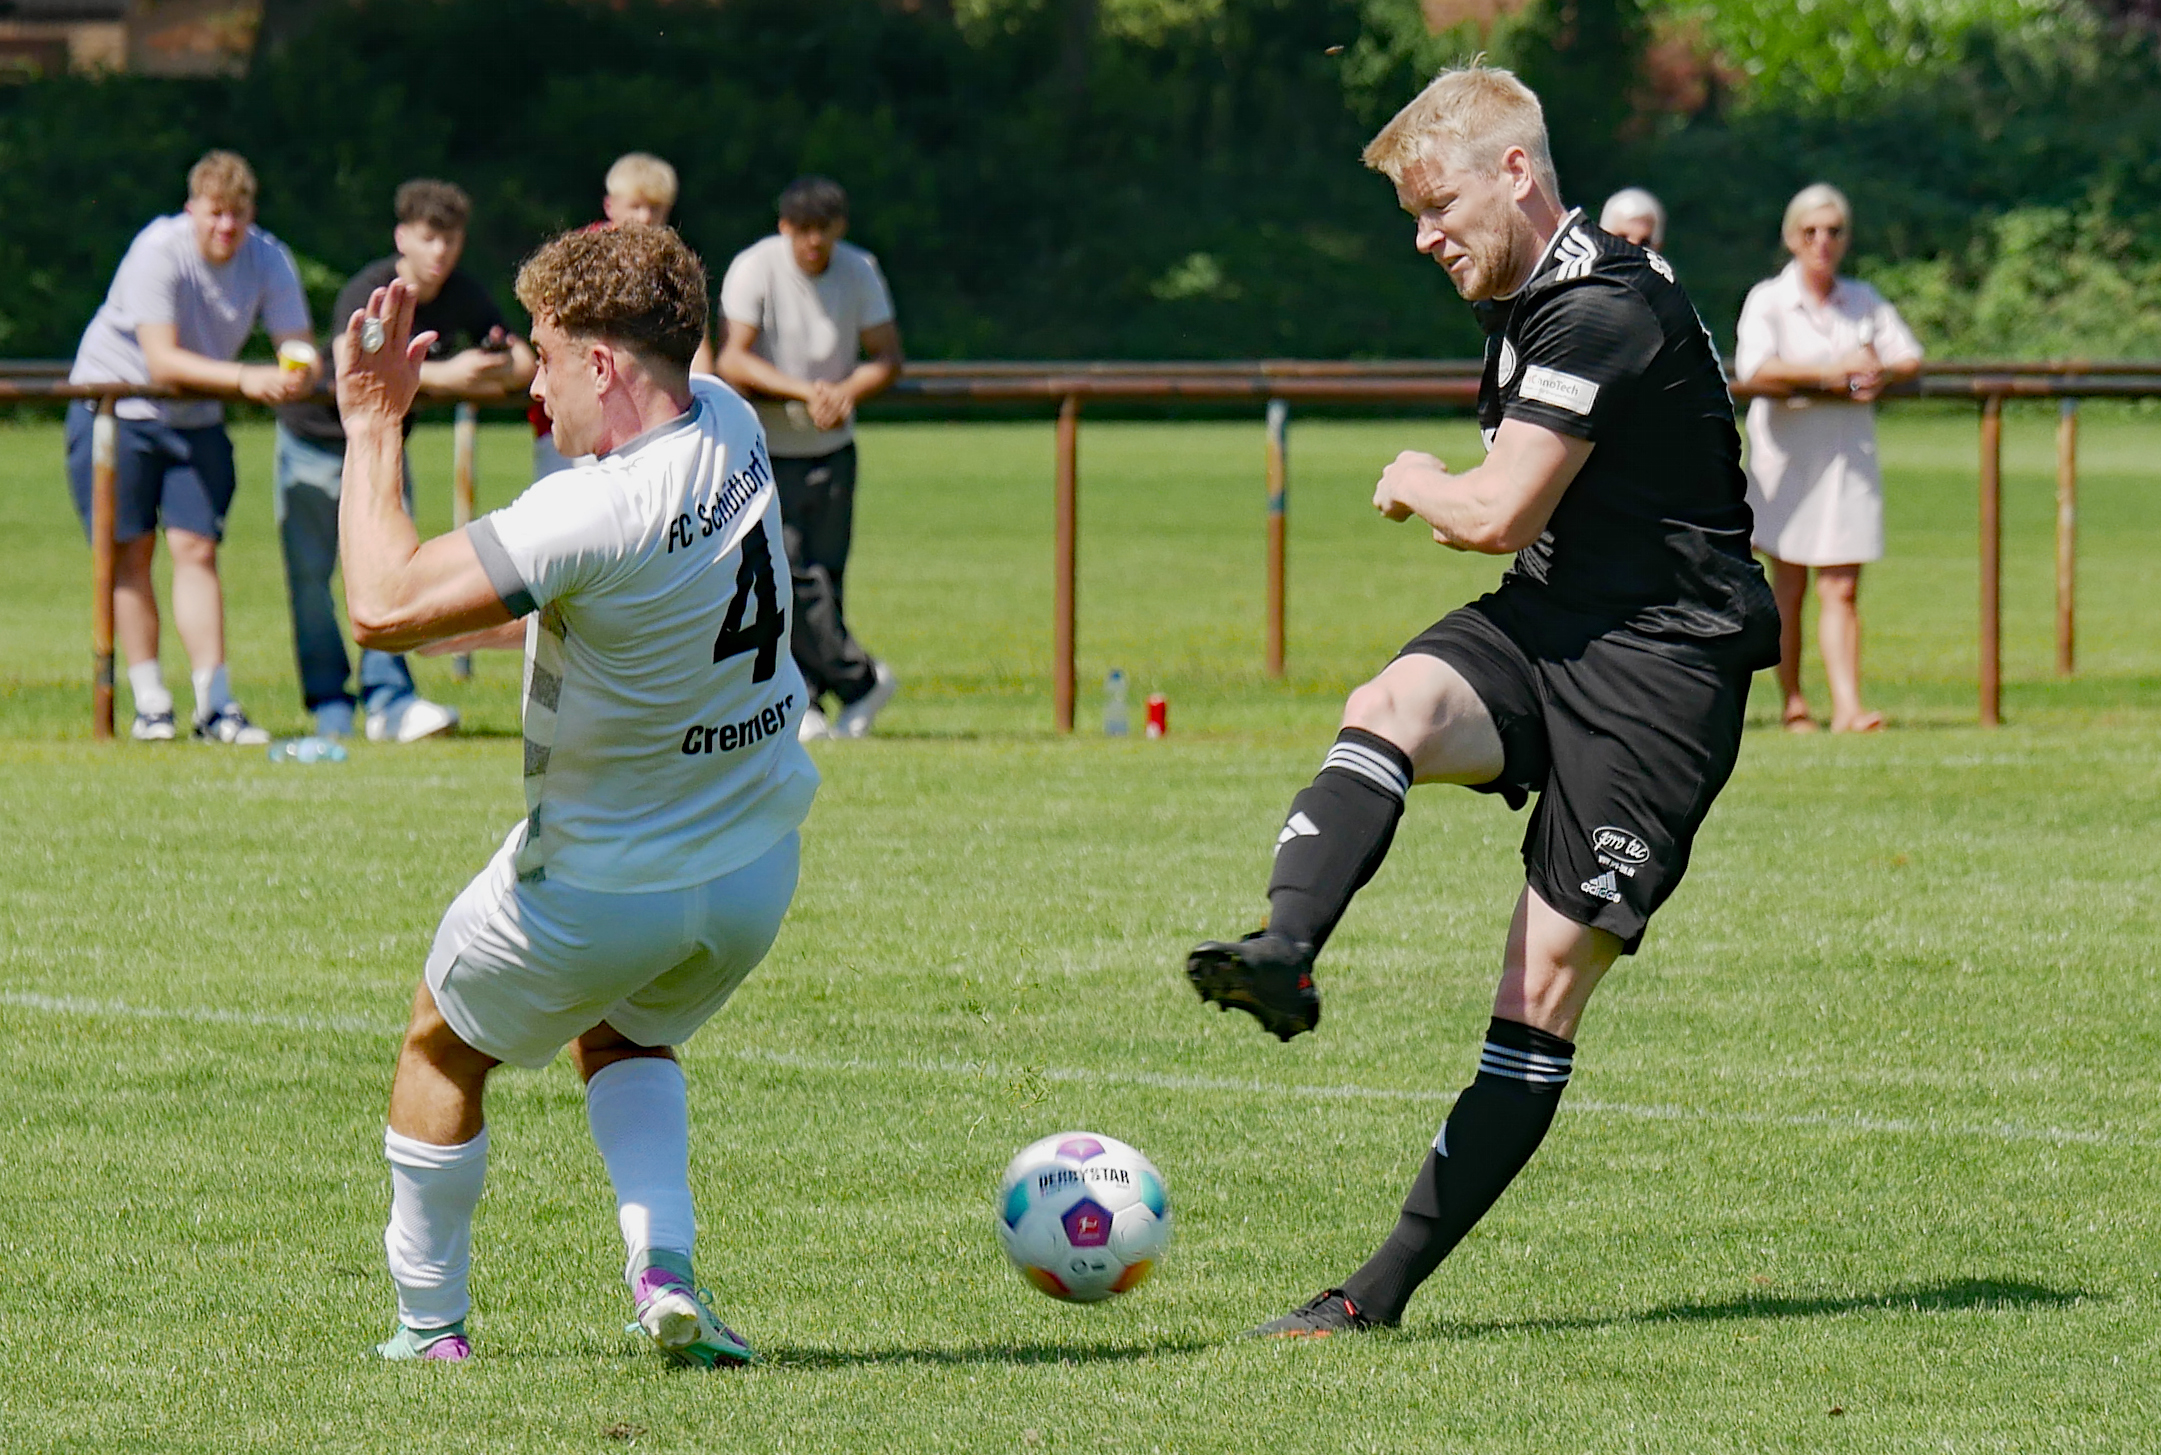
<point>474,351</point>
<point>1607,674</point>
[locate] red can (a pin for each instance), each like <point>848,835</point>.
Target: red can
<point>1159,715</point>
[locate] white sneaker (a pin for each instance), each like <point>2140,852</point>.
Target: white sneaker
<point>813,727</point>
<point>409,719</point>
<point>230,725</point>
<point>155,727</point>
<point>854,720</point>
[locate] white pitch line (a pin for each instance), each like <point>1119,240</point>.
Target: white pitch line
<point>1158,1080</point>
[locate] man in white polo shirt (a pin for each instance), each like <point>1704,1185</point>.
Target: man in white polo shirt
<point>663,780</point>
<point>810,335</point>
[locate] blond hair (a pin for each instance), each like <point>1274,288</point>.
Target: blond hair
<point>1807,200</point>
<point>222,176</point>
<point>642,177</point>
<point>1470,117</point>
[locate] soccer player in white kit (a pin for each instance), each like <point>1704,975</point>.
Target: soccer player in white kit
<point>663,781</point>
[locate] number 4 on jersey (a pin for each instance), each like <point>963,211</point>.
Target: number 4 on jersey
<point>754,577</point>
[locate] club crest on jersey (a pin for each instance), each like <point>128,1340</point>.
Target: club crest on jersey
<point>1508,364</point>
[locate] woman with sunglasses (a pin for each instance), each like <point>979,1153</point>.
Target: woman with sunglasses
<point>1813,480</point>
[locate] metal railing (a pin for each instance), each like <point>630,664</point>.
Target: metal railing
<point>1277,384</point>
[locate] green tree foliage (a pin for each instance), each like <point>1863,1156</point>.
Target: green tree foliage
<point>1067,178</point>
<point>2041,283</point>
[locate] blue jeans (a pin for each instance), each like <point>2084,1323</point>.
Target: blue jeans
<point>309,479</point>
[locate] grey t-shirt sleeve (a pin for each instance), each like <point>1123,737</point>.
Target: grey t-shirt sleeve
<point>147,287</point>
<point>503,574</point>
<point>875,300</point>
<point>744,288</point>
<point>285,302</point>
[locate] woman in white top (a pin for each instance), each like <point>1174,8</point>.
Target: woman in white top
<point>1812,475</point>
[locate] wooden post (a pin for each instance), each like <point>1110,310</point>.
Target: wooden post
<point>1062,682</point>
<point>1992,561</point>
<point>464,452</point>
<point>1279,469</point>
<point>104,508</point>
<point>2066,537</point>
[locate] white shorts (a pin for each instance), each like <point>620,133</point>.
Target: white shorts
<point>521,970</point>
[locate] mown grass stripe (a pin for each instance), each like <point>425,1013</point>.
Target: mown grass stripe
<point>1158,1080</point>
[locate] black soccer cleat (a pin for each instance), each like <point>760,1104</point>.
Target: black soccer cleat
<point>1329,1312</point>
<point>1263,974</point>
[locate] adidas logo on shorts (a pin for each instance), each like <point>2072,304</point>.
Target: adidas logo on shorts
<point>1605,886</point>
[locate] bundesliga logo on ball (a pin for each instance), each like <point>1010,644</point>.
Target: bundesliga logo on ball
<point>1083,1217</point>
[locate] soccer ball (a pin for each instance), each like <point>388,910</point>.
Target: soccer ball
<point>1083,1217</point>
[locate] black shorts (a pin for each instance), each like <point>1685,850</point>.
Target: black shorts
<point>1625,745</point>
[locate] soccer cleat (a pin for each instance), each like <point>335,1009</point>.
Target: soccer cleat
<point>408,719</point>
<point>813,728</point>
<point>1265,975</point>
<point>154,727</point>
<point>448,1344</point>
<point>854,719</point>
<point>230,725</point>
<point>675,1317</point>
<point>1329,1312</point>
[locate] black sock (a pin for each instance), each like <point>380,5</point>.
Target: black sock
<point>1496,1125</point>
<point>1337,833</point>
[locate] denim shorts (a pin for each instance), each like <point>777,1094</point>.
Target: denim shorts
<point>181,479</point>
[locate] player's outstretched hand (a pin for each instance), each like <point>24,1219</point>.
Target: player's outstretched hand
<point>1402,482</point>
<point>377,384</point>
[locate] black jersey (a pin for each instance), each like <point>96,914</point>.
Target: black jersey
<point>1653,533</point>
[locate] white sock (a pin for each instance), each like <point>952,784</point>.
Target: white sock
<point>433,1191</point>
<point>212,691</point>
<point>147,681</point>
<point>639,1110</point>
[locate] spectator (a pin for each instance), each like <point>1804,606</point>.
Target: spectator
<point>640,189</point>
<point>802,309</point>
<point>1636,215</point>
<point>185,298</point>
<point>1812,475</point>
<point>474,351</point>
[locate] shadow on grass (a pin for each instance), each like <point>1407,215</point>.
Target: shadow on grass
<point>1956,1295</point>
<point>810,1357</point>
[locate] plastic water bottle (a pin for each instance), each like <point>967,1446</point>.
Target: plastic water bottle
<point>309,749</point>
<point>1114,704</point>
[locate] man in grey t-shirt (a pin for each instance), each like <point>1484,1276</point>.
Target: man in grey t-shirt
<point>184,300</point>
<point>810,335</point>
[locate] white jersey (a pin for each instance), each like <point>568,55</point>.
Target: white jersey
<point>661,700</point>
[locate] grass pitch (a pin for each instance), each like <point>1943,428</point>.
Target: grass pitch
<point>1860,1155</point>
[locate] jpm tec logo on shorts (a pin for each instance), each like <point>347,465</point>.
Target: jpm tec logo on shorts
<point>1620,850</point>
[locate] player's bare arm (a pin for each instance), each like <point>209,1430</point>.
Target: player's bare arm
<point>1497,508</point>
<point>179,368</point>
<point>400,592</point>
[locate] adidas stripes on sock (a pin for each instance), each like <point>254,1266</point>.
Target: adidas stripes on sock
<point>639,1112</point>
<point>433,1192</point>
<point>1496,1125</point>
<point>1338,832</point>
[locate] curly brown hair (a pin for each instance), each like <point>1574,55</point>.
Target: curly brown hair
<point>640,287</point>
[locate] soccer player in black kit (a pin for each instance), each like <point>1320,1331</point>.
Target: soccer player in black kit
<point>1607,674</point>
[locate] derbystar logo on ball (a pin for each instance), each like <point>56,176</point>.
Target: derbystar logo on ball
<point>1083,1217</point>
